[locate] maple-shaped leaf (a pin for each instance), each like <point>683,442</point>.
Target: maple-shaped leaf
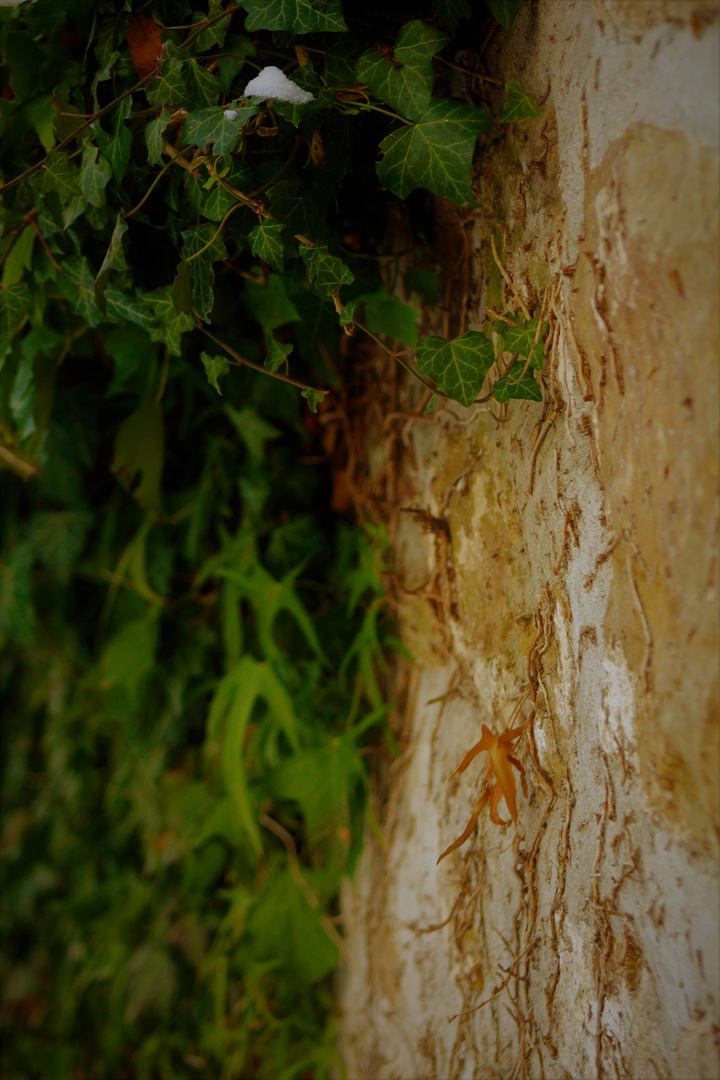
<point>500,782</point>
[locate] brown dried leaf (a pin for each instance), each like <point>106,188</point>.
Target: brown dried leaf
<point>143,38</point>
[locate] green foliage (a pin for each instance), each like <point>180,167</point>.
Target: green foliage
<point>190,649</point>
<point>518,105</point>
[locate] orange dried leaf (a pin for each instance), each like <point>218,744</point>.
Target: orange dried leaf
<point>469,828</point>
<point>143,38</point>
<point>500,781</point>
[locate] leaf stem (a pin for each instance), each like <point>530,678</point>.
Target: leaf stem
<point>241,361</point>
<point>403,363</point>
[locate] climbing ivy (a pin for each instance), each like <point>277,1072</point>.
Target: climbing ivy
<point>196,201</point>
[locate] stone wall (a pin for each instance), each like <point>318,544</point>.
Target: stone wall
<point>560,562</point>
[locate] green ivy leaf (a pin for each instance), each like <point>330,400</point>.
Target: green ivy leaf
<point>284,929</point>
<point>79,287</point>
<point>202,86</point>
<point>168,324</point>
<point>517,385</point>
<point>266,242</point>
<point>277,352</point>
<point>139,446</point>
<point>388,315</point>
<point>154,137</point>
<point>214,34</point>
<point>122,308</point>
<point>458,367</point>
<point>201,266</point>
<point>215,368</point>
<point>94,176</point>
<point>300,16</point>
<point>521,339</point>
<point>313,397</point>
<point>424,283</point>
<point>115,147</point>
<point>452,12</point>
<point>56,175</point>
<point>17,613</point>
<point>435,153</point>
<point>404,82</point>
<point>347,315</point>
<point>270,303</point>
<point>14,306</point>
<point>182,292</point>
<point>114,260</point>
<point>19,258</point>
<point>170,88</point>
<point>504,11</point>
<point>211,127</point>
<point>252,428</point>
<point>324,271</point>
<point>518,104</point>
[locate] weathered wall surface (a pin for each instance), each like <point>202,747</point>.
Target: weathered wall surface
<point>572,573</point>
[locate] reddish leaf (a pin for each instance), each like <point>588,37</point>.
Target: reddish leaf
<point>500,782</point>
<point>143,38</point>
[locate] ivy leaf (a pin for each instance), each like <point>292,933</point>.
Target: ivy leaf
<point>266,242</point>
<point>270,303</point>
<point>452,12</point>
<point>300,16</point>
<point>313,397</point>
<point>435,153</point>
<point>211,127</point>
<point>284,929</point>
<point>324,271</point>
<point>17,613</point>
<point>114,260</point>
<point>214,34</point>
<point>202,247</point>
<point>458,367</point>
<point>422,282</point>
<point>79,287</point>
<point>504,11</point>
<point>405,81</point>
<point>182,293</point>
<point>201,84</point>
<point>385,314</point>
<point>115,147</point>
<point>517,385</point>
<point>56,175</point>
<point>252,428</point>
<point>123,309</point>
<point>139,446</point>
<point>518,105</point>
<point>277,352</point>
<point>170,88</point>
<point>14,306</point>
<point>215,368</point>
<point>521,339</point>
<point>168,325</point>
<point>154,136</point>
<point>94,176</point>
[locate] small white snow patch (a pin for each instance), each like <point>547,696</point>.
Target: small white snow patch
<point>274,83</point>
<point>230,114</point>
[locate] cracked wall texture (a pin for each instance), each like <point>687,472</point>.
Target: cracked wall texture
<point>575,577</point>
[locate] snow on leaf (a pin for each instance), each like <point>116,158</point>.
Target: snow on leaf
<point>300,16</point>
<point>405,80</point>
<point>458,367</point>
<point>435,153</point>
<point>274,83</point>
<point>500,780</point>
<point>518,104</point>
<point>205,127</point>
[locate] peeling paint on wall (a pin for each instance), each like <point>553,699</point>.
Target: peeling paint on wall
<point>575,580</point>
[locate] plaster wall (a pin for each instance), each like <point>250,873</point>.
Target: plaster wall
<point>571,575</point>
